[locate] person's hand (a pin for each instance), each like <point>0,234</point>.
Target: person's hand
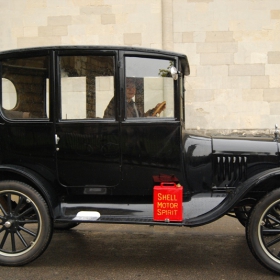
<point>159,108</point>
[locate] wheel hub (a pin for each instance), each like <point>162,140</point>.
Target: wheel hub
<point>8,224</point>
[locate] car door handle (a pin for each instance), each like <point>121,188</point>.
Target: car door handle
<point>56,139</point>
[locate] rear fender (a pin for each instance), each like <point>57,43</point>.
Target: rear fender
<point>28,176</point>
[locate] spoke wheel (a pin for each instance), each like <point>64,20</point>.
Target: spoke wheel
<point>263,231</point>
<point>25,223</point>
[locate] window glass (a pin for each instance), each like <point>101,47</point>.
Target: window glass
<point>87,87</point>
<point>9,94</point>
<point>24,88</point>
<point>149,88</point>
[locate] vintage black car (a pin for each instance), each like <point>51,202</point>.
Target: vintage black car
<point>97,134</point>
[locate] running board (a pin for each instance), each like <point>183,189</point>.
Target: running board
<point>81,217</point>
<point>94,217</point>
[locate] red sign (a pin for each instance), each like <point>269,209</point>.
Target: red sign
<point>168,202</point>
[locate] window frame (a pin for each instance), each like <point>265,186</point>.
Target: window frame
<point>82,52</point>
<point>123,56</point>
<point>27,55</point>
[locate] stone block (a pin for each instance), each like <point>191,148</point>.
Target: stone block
<point>227,47</point>
<point>95,2</point>
<point>258,57</point>
<point>253,36</point>
<point>30,31</point>
<point>247,70</point>
<point>108,19</point>
<point>60,30</point>
<point>274,108</point>
<point>25,42</point>
<point>85,20</point>
<point>199,36</point>
<point>33,20</point>
<point>207,48</point>
<point>196,83</point>
<point>200,1</point>
<point>132,38</point>
<point>259,82</point>
<point>216,58</point>
<point>187,37</point>
<point>219,36</point>
<point>17,32</point>
<point>268,122</point>
<point>272,69</point>
<point>274,81</point>
<point>237,82</point>
<point>275,14</point>
<point>203,95</point>
<point>273,57</point>
<point>59,20</point>
<point>271,95</point>
<point>212,71</point>
<point>193,71</point>
<point>36,4</point>
<point>177,37</point>
<point>252,95</point>
<point>45,31</point>
<point>76,30</point>
<point>242,57</point>
<point>96,10</point>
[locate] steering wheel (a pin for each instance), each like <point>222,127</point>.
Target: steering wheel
<point>159,108</point>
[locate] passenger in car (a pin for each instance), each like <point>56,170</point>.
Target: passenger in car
<point>131,109</point>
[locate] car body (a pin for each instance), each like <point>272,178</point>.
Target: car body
<point>75,147</point>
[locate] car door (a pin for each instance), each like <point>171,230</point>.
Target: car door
<point>87,140</point>
<point>26,121</point>
<point>150,140</point>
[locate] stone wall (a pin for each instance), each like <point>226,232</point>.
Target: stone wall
<point>233,48</point>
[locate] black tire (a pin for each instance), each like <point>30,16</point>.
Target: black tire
<point>263,231</point>
<point>25,224</point>
<point>65,225</point>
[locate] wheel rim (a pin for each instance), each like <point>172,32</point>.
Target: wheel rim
<point>269,231</point>
<point>20,223</point>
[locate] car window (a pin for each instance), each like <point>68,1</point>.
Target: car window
<point>149,88</point>
<point>24,88</point>
<point>87,86</point>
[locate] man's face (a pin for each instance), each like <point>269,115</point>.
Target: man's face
<point>130,90</point>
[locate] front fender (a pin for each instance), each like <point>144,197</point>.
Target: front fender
<point>233,198</point>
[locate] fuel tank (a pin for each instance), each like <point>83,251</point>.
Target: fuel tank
<point>222,163</point>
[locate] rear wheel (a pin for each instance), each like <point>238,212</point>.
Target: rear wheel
<point>25,224</point>
<point>263,231</point>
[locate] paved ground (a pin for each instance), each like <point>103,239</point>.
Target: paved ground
<point>215,251</point>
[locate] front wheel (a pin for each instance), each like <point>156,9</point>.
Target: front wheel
<point>25,224</point>
<point>263,231</point>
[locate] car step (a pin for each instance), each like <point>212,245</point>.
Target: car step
<point>81,217</point>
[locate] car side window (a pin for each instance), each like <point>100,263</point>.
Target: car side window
<point>149,90</point>
<point>24,88</point>
<point>87,86</point>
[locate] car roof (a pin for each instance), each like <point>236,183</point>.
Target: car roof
<point>182,57</point>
